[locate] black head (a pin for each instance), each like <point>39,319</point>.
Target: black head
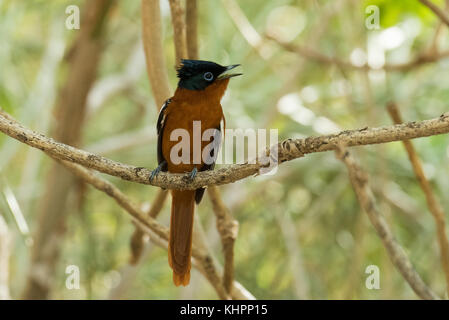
<point>199,74</point>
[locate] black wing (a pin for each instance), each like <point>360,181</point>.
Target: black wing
<point>160,132</point>
<point>213,158</point>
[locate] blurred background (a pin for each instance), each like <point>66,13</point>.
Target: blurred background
<point>310,68</point>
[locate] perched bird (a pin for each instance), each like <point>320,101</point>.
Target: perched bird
<point>196,102</point>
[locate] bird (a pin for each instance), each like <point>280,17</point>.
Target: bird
<point>195,109</point>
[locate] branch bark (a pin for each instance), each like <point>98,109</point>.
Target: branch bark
<point>179,30</point>
<point>228,229</point>
<point>192,28</point>
<point>288,150</point>
<point>432,203</point>
<point>154,52</point>
<point>135,210</point>
<point>205,262</point>
<point>399,258</point>
<point>137,239</point>
<point>156,231</point>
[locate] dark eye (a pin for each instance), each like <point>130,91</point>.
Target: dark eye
<point>208,76</point>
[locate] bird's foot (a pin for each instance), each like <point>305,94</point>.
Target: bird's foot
<point>156,171</point>
<point>192,174</point>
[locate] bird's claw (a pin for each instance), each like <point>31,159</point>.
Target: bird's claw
<point>192,174</point>
<point>156,171</point>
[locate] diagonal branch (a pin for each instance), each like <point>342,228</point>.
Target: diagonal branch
<point>123,141</point>
<point>437,10</point>
<point>433,204</point>
<point>287,150</point>
<point>135,210</point>
<point>226,225</point>
<point>246,28</point>
<point>399,258</point>
<point>206,263</point>
<point>137,239</point>
<point>228,228</point>
<point>156,231</point>
<point>70,108</point>
<point>319,57</point>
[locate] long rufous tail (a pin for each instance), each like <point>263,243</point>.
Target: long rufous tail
<point>181,229</point>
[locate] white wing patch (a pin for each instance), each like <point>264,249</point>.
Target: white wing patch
<point>161,117</point>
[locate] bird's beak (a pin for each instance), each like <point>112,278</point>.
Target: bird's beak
<point>225,75</point>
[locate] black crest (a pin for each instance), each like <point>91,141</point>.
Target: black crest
<point>198,74</point>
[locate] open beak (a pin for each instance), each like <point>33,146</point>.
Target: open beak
<point>226,75</point>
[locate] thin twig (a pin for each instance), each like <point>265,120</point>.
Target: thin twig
<point>118,83</point>
<point>224,226</point>
<point>290,236</point>
<point>154,53</point>
<point>192,28</point>
<point>123,141</point>
<point>437,10</point>
<point>228,228</point>
<point>122,200</point>
<point>69,111</point>
<point>438,31</point>
<point>355,261</point>
<point>287,150</point>
<point>246,28</point>
<point>289,80</point>
<point>207,265</point>
<point>399,258</point>
<point>157,232</point>
<point>179,30</point>
<point>433,204</point>
<point>212,274</point>
<point>137,238</point>
<point>319,57</point>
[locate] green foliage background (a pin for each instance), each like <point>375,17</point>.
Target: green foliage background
<point>329,242</point>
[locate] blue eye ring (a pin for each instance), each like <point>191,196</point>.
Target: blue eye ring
<point>208,76</point>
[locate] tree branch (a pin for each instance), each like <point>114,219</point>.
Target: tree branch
<point>192,28</point>
<point>205,261</point>
<point>137,238</point>
<point>287,150</point>
<point>122,200</point>
<point>69,110</point>
<point>123,141</point>
<point>179,30</point>
<point>154,229</point>
<point>433,204</point>
<point>246,28</point>
<point>359,181</point>
<point>319,57</point>
<point>437,10</point>
<point>154,52</point>
<point>228,229</point>
<point>226,225</point>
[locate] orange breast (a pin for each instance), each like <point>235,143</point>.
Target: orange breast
<point>186,107</point>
